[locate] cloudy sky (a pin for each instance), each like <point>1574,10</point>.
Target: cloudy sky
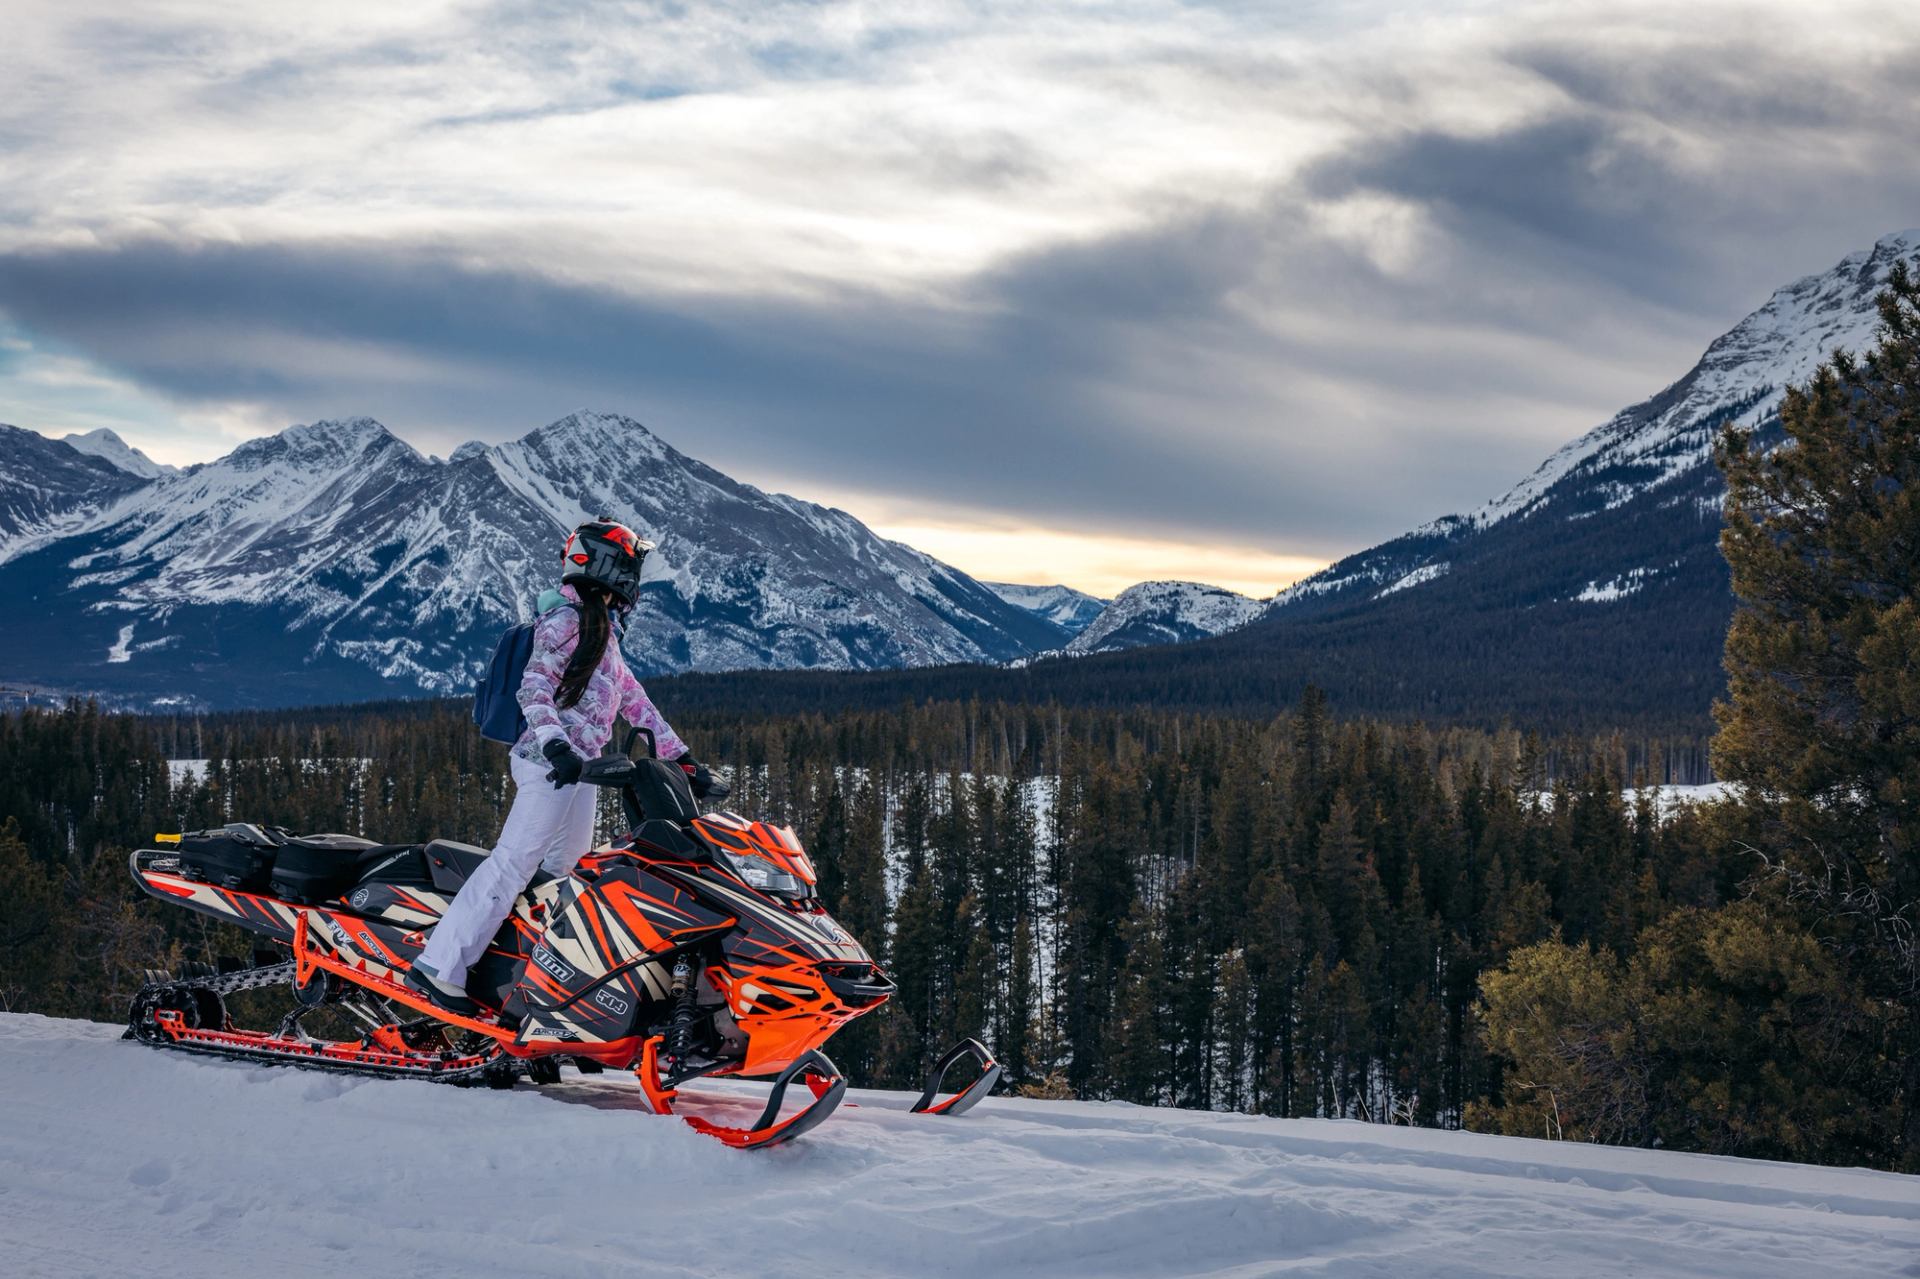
<point>1087,292</point>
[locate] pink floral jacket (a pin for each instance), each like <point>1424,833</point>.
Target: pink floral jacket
<point>610,692</point>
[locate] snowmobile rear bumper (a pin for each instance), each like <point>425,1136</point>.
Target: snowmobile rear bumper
<point>964,1100</point>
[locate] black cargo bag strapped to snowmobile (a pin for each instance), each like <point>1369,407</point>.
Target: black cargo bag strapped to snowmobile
<point>238,855</point>
<point>313,868</point>
<point>268,859</point>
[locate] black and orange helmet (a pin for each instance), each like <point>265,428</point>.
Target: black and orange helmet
<point>609,553</point>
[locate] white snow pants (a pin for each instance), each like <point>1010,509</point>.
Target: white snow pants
<point>546,829</point>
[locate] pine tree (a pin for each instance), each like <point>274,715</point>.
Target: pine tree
<point>1138,1062</point>
<point>918,966</point>
<point>1232,1020</point>
<point>1274,949</point>
<point>1822,718</point>
<point>858,901</point>
<point>977,991</point>
<point>1638,1052</point>
<point>1013,1033</point>
<point>1099,857</point>
<point>36,925</point>
<point>1350,888</point>
<point>826,842</point>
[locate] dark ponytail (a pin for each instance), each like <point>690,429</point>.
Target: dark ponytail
<point>595,626</point>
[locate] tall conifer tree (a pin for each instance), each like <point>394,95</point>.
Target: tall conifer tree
<point>1822,718</point>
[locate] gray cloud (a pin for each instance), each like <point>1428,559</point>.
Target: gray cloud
<point>1246,368</point>
<point>998,403</point>
<point>1696,177</point>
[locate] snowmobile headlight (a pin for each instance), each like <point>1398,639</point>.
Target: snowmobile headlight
<point>758,873</point>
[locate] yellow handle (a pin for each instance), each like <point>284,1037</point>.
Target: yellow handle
<point>166,839</point>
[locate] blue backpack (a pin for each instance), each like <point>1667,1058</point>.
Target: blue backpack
<point>496,695</point>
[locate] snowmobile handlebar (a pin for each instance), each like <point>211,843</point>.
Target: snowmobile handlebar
<point>617,768</point>
<point>609,770</point>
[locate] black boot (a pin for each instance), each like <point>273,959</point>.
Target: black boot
<point>442,996</point>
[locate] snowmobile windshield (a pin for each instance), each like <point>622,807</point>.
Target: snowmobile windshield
<point>761,874</point>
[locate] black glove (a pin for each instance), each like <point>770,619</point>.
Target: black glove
<point>566,762</point>
<point>699,779</point>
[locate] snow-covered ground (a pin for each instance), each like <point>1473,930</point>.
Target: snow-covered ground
<point>119,1159</point>
<point>1666,799</point>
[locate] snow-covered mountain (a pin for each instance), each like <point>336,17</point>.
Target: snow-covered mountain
<point>1591,597</point>
<point>116,1159</point>
<point>1065,607</point>
<point>48,487</point>
<point>1164,613</point>
<point>1594,591</point>
<point>103,443</point>
<point>333,561</point>
<point>1650,463</point>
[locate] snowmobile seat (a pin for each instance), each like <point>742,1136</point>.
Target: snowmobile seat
<point>395,864</point>
<point>450,863</point>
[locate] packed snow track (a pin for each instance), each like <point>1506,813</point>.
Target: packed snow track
<point>117,1159</point>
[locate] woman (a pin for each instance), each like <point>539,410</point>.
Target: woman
<point>576,683</point>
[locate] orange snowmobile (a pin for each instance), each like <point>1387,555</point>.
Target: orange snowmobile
<point>692,946</point>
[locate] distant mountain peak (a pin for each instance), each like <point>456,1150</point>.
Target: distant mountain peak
<point>589,426</point>
<point>328,442</point>
<point>1165,612</point>
<point>1743,370</point>
<point>328,430</point>
<point>49,487</point>
<point>1596,586</point>
<point>1071,610</point>
<point>105,443</point>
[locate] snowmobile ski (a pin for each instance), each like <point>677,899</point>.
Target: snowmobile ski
<point>822,1078</point>
<point>970,1096</point>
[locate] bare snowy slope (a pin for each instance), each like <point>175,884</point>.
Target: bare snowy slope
<point>332,561</point>
<point>1164,613</point>
<point>116,1159</point>
<point>1065,607</point>
<point>1739,378</point>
